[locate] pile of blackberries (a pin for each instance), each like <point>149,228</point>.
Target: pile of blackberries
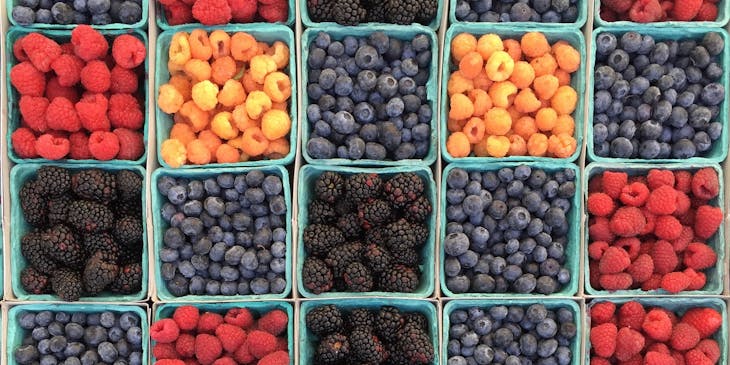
<point>353,12</point>
<point>493,11</point>
<point>95,12</point>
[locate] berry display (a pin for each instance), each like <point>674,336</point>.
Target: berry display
<point>653,231</point>
<point>72,250</point>
<point>354,12</point>
<point>649,11</point>
<point>507,230</point>
<point>371,246</point>
<point>367,97</point>
<point>94,12</point>
<point>657,99</point>
<point>223,235</point>
<point>220,12</point>
<point>540,11</point>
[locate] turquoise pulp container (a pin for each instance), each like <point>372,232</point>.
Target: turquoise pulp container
<point>63,36</point>
<point>718,152</point>
<point>18,176</point>
<point>723,14</point>
<point>715,275</point>
<point>582,6</point>
<point>142,23</point>
<point>573,36</point>
<point>164,25</point>
<point>309,174</point>
<point>158,200</point>
<point>572,249</point>
<point>404,33</point>
<point>268,33</point>
<point>309,23</point>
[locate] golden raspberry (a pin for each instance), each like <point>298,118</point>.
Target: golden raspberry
<point>275,124</point>
<point>205,95</point>
<point>197,70</point>
<point>564,100</point>
<point>458,145</point>
<point>488,44</point>
<point>458,83</point>
<point>474,129</point>
<point>257,103</point>
<point>461,107</point>
<point>497,146</point>
<point>501,93</point>
<point>197,152</point>
<point>179,52</point>
<point>537,145</point>
<point>277,86</point>
<point>173,152</point>
<point>232,94</point>
<point>200,45</point>
<point>223,126</point>
<point>182,132</point>
<point>522,75</point>
<point>169,99</point>
<point>462,44</point>
<point>499,66</point>
<point>497,122</point>
<point>261,65</point>
<point>534,44</point>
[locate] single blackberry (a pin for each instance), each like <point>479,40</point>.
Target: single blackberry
<point>399,278</point>
<point>400,235</point>
<point>33,281</point>
<point>95,184</point>
<point>329,186</point>
<point>123,208</point>
<point>429,8</point>
<point>98,274</point>
<point>360,317</point>
<point>388,322</point>
<point>345,206</point>
<point>62,245</point>
<point>408,257</point>
<point>396,356</point>
<point>349,224</point>
<point>374,213</point>
<point>348,12</point>
<point>66,283</point>
<point>418,210</point>
<point>366,347</point>
<point>33,204</point>
<point>320,10</point>
<point>319,212</point>
<point>36,253</point>
<point>90,217</point>
<point>53,180</point>
<point>320,239</point>
<point>343,255</point>
<point>403,188</point>
<point>421,232</point>
<point>324,320</point>
<point>415,319</point>
<point>128,230</point>
<point>130,254</point>
<point>332,349</point>
<point>358,277</point>
<point>402,11</point>
<point>316,275</point>
<point>363,187</point>
<point>102,243</point>
<point>58,209</point>
<point>377,258</point>
<point>129,279</point>
<point>416,345</point>
<point>129,185</point>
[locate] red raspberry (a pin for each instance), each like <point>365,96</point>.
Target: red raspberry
<point>186,317</point>
<point>707,12</point>
<point>67,48</point>
<point>164,331</point>
<point>103,146</point>
<point>614,261</point>
<point>688,219</point>
<point>705,183</point>
<point>212,12</point>
<point>208,322</point>
<point>667,227</point>
<point>628,343</point>
<point>706,320</point>
<point>55,90</point>
<point>240,317</point>
<point>52,148</point>
<point>659,347</point>
<point>600,204</point>
<point>602,312</point>
<point>650,221</point>
<point>678,358</point>
<point>95,77</point>
<point>683,181</point>
<point>656,178</point>
<point>41,50</point>
<point>631,315</point>
<point>185,345</point>
<point>131,144</point>
<point>699,256</point>
<point>128,51</point>
<point>123,81</point>
<point>682,204</point>
<point>163,351</point>
<point>225,360</point>
<point>27,80</point>
<point>613,182</point>
<point>593,274</point>
<point>641,269</point>
<point>170,362</point>
<point>685,10</point>
<point>595,184</point>
<point>274,322</point>
<point>600,230</point>
<point>230,336</point>
<point>596,249</point>
<point>632,245</point>
<point>657,325</point>
<point>260,343</point>
<point>207,348</point>
<point>697,279</point>
<point>662,200</point>
<point>276,12</point>
<point>68,69</point>
<point>603,339</point>
<point>91,110</point>
<point>707,220</point>
<point>33,111</point>
<point>696,357</point>
<point>675,282</point>
<point>88,43</point>
<point>599,360</point>
<point>665,259</point>
<point>18,51</point>
<point>243,11</point>
<point>275,358</point>
<point>243,356</point>
<point>612,282</point>
<point>710,348</point>
<point>178,13</point>
<point>282,343</point>
<point>653,283</point>
<point>680,243</point>
<point>125,112</point>
<point>627,222</point>
<point>667,7</point>
<point>658,358</point>
<point>618,6</point>
<point>684,337</point>
<point>634,194</point>
<point>61,115</point>
<point>23,142</point>
<point>79,146</point>
<point>646,11</point>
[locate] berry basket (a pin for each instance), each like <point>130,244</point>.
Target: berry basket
<point>158,200</point>
<point>14,97</point>
<point>719,148</point>
<point>715,275</point>
<point>308,175</point>
<point>572,251</point>
<point>14,335</point>
<point>18,176</point>
<point>165,310</point>
<point>551,304</point>
<point>582,6</point>
<point>723,15</point>
<point>407,33</point>
<point>142,23</point>
<point>164,25</point>
<point>573,36</point>
<point>262,33</point>
<point>309,23</point>
<point>678,306</point>
<point>307,348</point>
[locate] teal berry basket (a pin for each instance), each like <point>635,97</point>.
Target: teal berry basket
<point>404,33</point>
<point>579,22</point>
<point>158,200</point>
<point>14,96</point>
<point>309,174</point>
<point>715,275</point>
<point>573,36</point>
<point>164,25</point>
<point>15,333</point>
<point>308,340</point>
<point>268,33</point>
<point>142,23</point>
<point>723,15</point>
<point>550,304</point>
<point>18,176</point>
<point>309,23</point>
<point>258,309</point>
<point>677,305</point>
<point>718,152</point>
<point>572,251</point>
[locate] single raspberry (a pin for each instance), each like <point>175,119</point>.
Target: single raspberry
<point>614,261</point>
<point>705,183</point>
<point>627,222</point>
<point>593,275</point>
<point>699,256</point>
<point>276,12</point>
<point>230,336</point>
<point>706,320</point>
<point>665,259</point>
<point>212,12</point>
<point>243,356</point>
<point>208,322</point>
<point>274,322</point>
<point>163,351</point>
<point>602,312</point>
<point>646,11</point>
<point>600,230</point>
<point>243,11</point>
<point>613,182</point>
<point>275,358</point>
<point>55,90</point>
<point>91,110</point>
<point>683,181</point>
<point>647,246</point>
<point>27,79</point>
<point>658,347</point>
<point>685,237</point>
<point>123,81</point>
<point>684,337</point>
<point>67,48</point>
<point>68,69</point>
<point>125,112</point>
<point>185,345</point>
<point>657,325</point>
<point>596,249</point>
<point>79,149</point>
<point>631,245</point>
<point>634,194</point>
<point>88,43</point>
<point>710,348</point>
<point>41,50</point>
<point>600,204</point>
<point>618,6</point>
<point>208,348</point>
<point>103,146</point>
<point>260,343</point>
<point>656,178</point>
<point>641,269</point>
<point>662,200</point>
<point>52,148</point>
<point>631,315</point>
<point>612,282</point>
<point>657,358</point>
<point>164,331</point>
<point>650,221</point>
<point>595,184</point>
<point>186,317</point>
<point>629,343</point>
<point>131,144</point>
<point>23,142</point>
<point>696,357</point>
<point>128,51</point>
<point>678,358</point>
<point>240,317</point>
<point>18,51</point>
<point>688,219</point>
<point>686,10</point>
<point>697,279</point>
<point>178,13</point>
<point>675,282</point>
<point>682,204</point>
<point>95,77</point>
<point>33,111</point>
<point>603,339</point>
<point>707,13</point>
<point>667,227</point>
<point>707,220</point>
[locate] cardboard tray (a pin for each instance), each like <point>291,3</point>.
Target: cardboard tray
<point>140,24</point>
<point>723,15</point>
<point>582,6</point>
<point>164,25</point>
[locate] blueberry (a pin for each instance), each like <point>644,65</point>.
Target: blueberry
<point>26,354</point>
<point>97,6</point>
<point>621,147</point>
<point>631,41</point>
<point>130,12</point>
<point>713,94</point>
<point>605,42</point>
<point>23,15</point>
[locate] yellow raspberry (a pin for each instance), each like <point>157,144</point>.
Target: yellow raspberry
<point>182,132</point>
<point>198,118</point>
<point>205,95</point>
<point>173,152</point>
<point>458,145</point>
<point>501,93</point>
<point>197,70</point>
<point>461,107</point>
<point>254,142</point>
<point>498,122</point>
<point>223,126</point>
<point>499,66</point>
<point>227,154</point>
<point>198,153</point>
<point>462,44</point>
<point>497,146</point>
<point>275,124</point>
<point>179,52</point>
<point>488,44</point>
<point>564,100</point>
<point>280,53</point>
<point>257,103</point>
<point>277,148</point>
<point>261,66</point>
<point>182,84</point>
<point>240,117</point>
<point>561,145</point>
<point>277,86</point>
<point>169,99</point>
<point>232,94</point>
<point>458,84</point>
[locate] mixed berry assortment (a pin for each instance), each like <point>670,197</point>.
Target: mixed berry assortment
<point>219,12</point>
<point>354,12</point>
<point>493,11</point>
<point>95,12</point>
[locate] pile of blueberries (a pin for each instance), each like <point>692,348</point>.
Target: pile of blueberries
<point>96,12</point>
<point>493,11</point>
<point>79,338</point>
<point>511,335</point>
<point>657,99</point>
<point>226,234</point>
<point>507,230</point>
<point>367,97</point>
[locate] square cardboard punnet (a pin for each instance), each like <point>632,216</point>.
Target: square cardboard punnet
<point>40,26</point>
<point>580,21</point>
<point>164,25</point>
<point>308,22</point>
<point>723,15</point>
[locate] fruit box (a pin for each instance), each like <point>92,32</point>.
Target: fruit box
<point>18,176</point>
<point>404,33</point>
<point>307,339</point>
<point>14,335</point>
<point>715,275</point>
<point>577,24</point>
<point>573,36</point>
<point>14,97</point>
<point>164,25</point>
<point>552,304</point>
<point>718,152</point>
<point>165,310</point>
<point>158,200</point>
<point>308,175</point>
<point>307,21</point>
<point>268,33</point>
<point>141,24</point>
<point>676,305</point>
<point>723,14</point>
<point>572,251</point>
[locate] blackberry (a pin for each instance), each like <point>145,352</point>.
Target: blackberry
<point>366,347</point>
<point>95,184</point>
<point>358,277</point>
<point>416,319</point>
<point>320,239</point>
<point>429,8</point>
<point>98,274</point>
<point>130,254</point>
<point>123,208</point>
<point>329,186</point>
<point>324,320</point>
<point>349,224</point>
<point>374,213</point>
<point>388,323</point>
<point>403,188</point>
<point>408,257</point>
<point>128,230</point>
<point>316,276</point>
<point>129,186</point>
<point>62,245</point>
<point>345,206</point>
<point>66,283</point>
<point>401,235</point>
<point>399,278</point>
<point>377,258</point>
<point>348,12</point>
<point>320,212</point>
<point>402,11</point>
<point>363,187</point>
<point>418,210</point>
<point>53,180</point>
<point>102,243</point>
<point>33,205</point>
<point>320,10</point>
<point>360,317</point>
<point>375,236</point>
<point>376,11</point>
<point>129,279</point>
<point>33,281</point>
<point>58,209</point>
<point>416,345</point>
<point>90,217</point>
<point>332,349</point>
<point>342,256</point>
<point>36,253</point>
